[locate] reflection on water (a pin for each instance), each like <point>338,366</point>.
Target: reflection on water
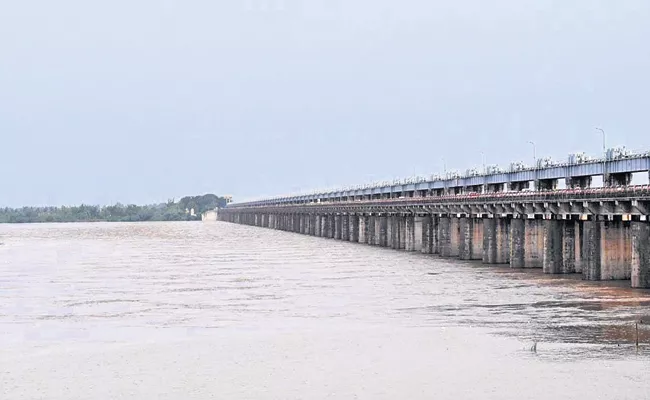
<point>233,303</point>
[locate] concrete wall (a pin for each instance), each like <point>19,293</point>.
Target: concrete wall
<point>209,216</point>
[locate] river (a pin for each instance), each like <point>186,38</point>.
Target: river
<point>224,311</point>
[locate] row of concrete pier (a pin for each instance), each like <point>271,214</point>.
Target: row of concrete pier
<point>612,249</point>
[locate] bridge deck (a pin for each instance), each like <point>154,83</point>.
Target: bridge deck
<point>622,200</point>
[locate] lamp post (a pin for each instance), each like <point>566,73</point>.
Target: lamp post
<point>605,177</point>
<point>535,182</point>
<point>534,152</point>
<point>603,132</point>
<point>444,178</point>
<point>484,186</point>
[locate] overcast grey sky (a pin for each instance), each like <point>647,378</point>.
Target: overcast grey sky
<point>143,100</point>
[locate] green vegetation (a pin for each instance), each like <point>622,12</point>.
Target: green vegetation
<point>170,211</point>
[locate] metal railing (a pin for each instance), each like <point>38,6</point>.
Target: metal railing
<point>561,195</point>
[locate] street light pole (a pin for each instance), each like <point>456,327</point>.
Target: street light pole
<point>603,132</point>
<point>535,182</point>
<point>444,178</point>
<point>534,152</point>
<point>605,177</point>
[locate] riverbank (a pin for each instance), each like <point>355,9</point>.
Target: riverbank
<point>187,208</point>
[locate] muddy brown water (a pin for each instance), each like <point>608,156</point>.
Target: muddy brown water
<point>216,310</point>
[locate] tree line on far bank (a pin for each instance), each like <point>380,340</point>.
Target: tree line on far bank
<point>171,211</point>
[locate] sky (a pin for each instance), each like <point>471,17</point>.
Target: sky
<point>143,101</point>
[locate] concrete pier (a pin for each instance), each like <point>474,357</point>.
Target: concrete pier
<point>526,243</point>
<point>319,225</point>
<point>428,237</point>
<point>470,238</point>
<point>640,254</point>
<point>454,236</point>
<point>518,243</point>
<point>354,228</point>
<point>496,243</point>
<point>444,235</point>
<point>363,230</point>
<point>608,250</point>
<point>466,247</point>
<point>615,250</point>
<point>534,251</point>
<point>435,231</point>
<point>477,239</point>
<point>389,231</point>
<point>401,226</point>
<point>394,232</point>
<point>370,230</point>
<point>377,235</point>
<point>568,246</point>
<point>337,227</point>
<point>345,227</point>
<point>417,233</point>
<point>331,226</point>
<point>603,239</point>
<point>409,223</point>
<point>559,250</point>
<point>383,231</point>
<point>578,245</point>
<point>591,269</point>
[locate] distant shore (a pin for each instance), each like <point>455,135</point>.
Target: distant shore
<point>187,208</point>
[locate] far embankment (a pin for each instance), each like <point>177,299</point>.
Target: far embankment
<point>188,208</point>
